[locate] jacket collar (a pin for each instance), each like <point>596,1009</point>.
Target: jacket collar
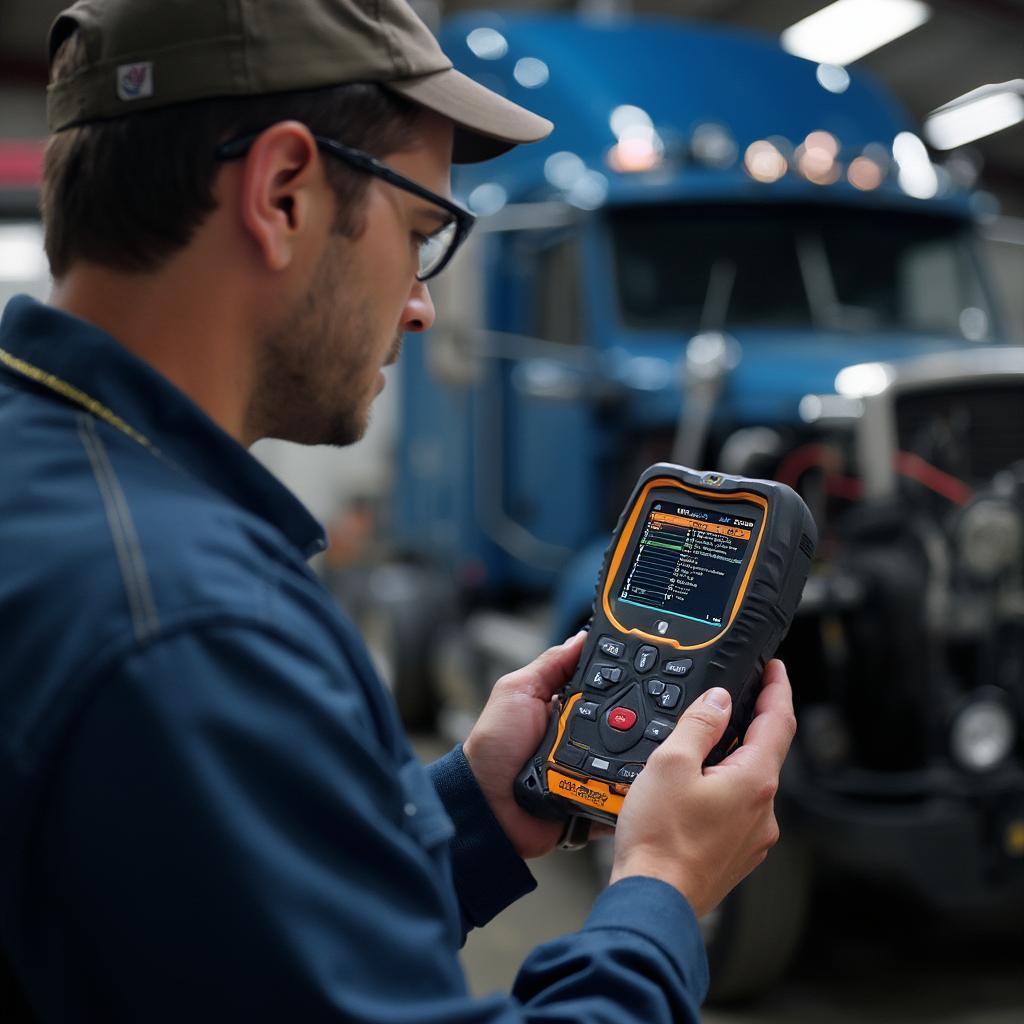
<point>88,361</point>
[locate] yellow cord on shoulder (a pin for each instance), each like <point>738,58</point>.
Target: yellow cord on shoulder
<point>73,394</point>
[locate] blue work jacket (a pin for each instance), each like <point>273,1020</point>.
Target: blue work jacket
<point>208,807</point>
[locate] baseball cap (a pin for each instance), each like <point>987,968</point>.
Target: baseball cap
<point>146,54</point>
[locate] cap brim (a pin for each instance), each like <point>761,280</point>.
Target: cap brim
<point>486,124</point>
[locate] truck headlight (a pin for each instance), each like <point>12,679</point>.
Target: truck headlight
<point>990,537</point>
<point>984,732</point>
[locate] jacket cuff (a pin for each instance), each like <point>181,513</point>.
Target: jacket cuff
<point>489,875</point>
<point>658,912</point>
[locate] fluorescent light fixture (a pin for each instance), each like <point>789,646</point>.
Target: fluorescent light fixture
<point>845,30</point>
<point>976,114</point>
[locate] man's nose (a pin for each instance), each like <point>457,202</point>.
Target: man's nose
<point>418,314</point>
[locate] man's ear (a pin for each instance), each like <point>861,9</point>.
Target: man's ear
<point>282,183</point>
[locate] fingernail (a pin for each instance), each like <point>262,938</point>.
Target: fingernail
<point>718,698</point>
<point>575,637</point>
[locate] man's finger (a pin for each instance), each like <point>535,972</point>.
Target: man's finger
<point>770,734</point>
<point>701,725</point>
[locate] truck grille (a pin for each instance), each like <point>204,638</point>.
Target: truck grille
<point>971,431</point>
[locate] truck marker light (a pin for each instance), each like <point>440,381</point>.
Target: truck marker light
<point>563,169</point>
<point>712,145</point>
<point>626,117</point>
<point>1015,838</point>
<point>833,77</point>
<point>487,199</point>
<point>865,174</point>
<point>639,150</point>
<point>589,191</point>
<point>487,43</point>
<point>816,158</point>
<point>764,161</point>
<point>531,73</point>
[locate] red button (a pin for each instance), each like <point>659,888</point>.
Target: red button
<point>622,718</point>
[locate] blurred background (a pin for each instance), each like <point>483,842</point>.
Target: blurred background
<point>783,240</point>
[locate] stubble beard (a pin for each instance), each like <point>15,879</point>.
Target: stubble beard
<point>310,365</point>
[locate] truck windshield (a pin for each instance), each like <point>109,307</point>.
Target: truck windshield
<point>690,268</point>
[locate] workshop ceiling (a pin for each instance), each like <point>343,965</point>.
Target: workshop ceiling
<point>966,43</point>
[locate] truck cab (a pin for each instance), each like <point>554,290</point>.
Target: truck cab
<point>731,258</point>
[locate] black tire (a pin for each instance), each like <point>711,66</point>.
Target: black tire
<point>752,936</point>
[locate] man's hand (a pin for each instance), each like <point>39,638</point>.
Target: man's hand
<point>704,831</point>
<point>508,731</point>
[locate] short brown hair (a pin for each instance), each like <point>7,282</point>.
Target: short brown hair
<point>129,192</point>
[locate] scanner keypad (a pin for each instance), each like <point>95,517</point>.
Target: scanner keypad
<point>625,713</point>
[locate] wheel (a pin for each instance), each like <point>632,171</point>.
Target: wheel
<point>400,610</point>
<point>752,935</point>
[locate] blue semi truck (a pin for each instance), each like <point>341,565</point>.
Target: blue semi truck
<point>733,258</point>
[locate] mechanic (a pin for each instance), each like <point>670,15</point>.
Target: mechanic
<point>208,808</point>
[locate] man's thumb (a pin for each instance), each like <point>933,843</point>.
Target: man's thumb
<point>703,723</point>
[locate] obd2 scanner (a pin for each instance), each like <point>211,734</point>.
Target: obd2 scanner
<point>699,585</point>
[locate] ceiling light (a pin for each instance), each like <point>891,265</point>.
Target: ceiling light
<point>845,30</point>
<point>975,115</point>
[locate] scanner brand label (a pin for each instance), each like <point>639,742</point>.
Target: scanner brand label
<point>580,792</point>
<point>597,795</point>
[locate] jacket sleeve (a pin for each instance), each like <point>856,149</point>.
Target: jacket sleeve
<point>226,839</point>
<point>488,873</point>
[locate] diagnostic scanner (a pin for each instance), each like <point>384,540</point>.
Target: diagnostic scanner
<point>699,585</point>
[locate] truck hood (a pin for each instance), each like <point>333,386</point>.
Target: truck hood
<point>775,371</point>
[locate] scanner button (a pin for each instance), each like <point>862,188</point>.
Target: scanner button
<point>670,697</point>
<point>621,719</point>
<point>655,687</point>
<point>570,755</point>
<point>657,731</point>
<point>613,648</point>
<point>646,658</point>
<point>678,668</point>
<point>601,766</point>
<point>628,772</point>
<point>602,676</point>
<point>587,709</point>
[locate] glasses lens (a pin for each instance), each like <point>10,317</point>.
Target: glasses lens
<point>435,248</point>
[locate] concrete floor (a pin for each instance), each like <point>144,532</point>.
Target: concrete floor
<point>865,958</point>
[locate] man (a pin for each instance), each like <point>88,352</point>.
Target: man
<point>208,810</point>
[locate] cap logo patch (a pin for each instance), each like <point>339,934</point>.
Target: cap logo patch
<point>135,81</point>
